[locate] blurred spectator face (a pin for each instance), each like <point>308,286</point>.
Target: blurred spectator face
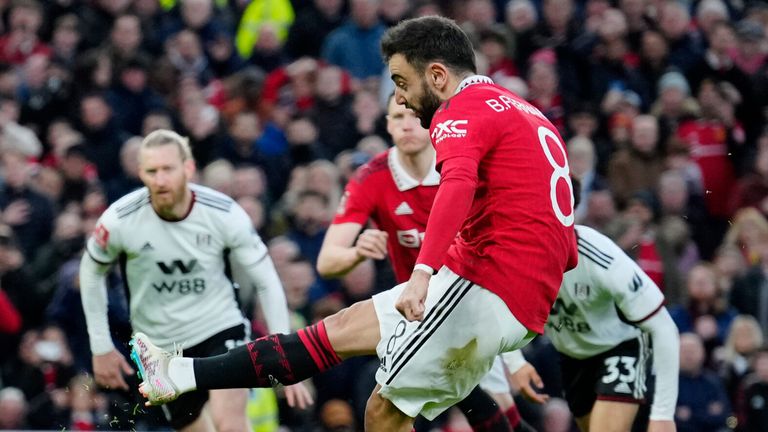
<point>366,105</point>
<point>134,78</point>
<point>9,110</point>
<point>323,177</point>
<point>702,284</point>
<point>674,20</point>
<point>653,47</point>
<point>218,175</point>
<point>557,13</point>
<point>282,250</point>
<point>328,85</point>
<point>372,145</point>
<point>66,35</point>
<point>583,124</point>
<point>761,366</point>
<point>114,7</point>
<point>155,121</point>
<point>25,19</point>
<point>146,8</point>
<point>126,34</point>
<point>521,15</point>
<point>542,79</point>
<point>268,41</point>
<point>301,131</point>
<point>311,214</point>
<point>633,9</point>
<point>254,209</point>
<point>196,13</point>
<point>102,74</point>
<point>53,347</point>
<point>9,82</point>
<point>297,277</point>
<point>129,157</point>
<point>493,50</point>
<point>95,112</point>
<point>480,13</point>
<point>49,182</point>
<point>406,131</point>
<point>36,70</point>
<point>722,39</point>
<point>730,262</point>
<point>16,170</point>
<point>68,225</point>
<point>329,8</point>
<point>746,334</point>
<point>613,25</point>
<point>691,354</point>
<point>365,13</point>
<point>601,208</point>
<point>246,128</point>
<point>248,182</point>
<point>393,10</point>
<point>710,12</point>
<point>13,409</point>
<point>673,193</point>
<point>581,156</point>
<point>73,166</point>
<point>187,46</point>
<point>645,134</point>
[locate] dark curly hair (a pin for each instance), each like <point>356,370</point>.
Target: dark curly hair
<point>428,39</point>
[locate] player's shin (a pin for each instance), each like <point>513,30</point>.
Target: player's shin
<point>482,413</point>
<point>269,361</point>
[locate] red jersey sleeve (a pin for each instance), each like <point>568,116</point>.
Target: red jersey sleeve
<point>461,141</point>
<point>356,204</point>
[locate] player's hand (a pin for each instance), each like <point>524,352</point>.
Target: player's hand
<point>298,396</point>
<point>411,301</point>
<point>521,382</point>
<point>372,243</point>
<point>661,426</point>
<point>108,369</point>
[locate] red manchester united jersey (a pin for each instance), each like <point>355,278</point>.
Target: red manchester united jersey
<point>505,188</point>
<point>382,191</point>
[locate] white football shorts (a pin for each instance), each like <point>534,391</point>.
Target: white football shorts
<point>427,366</point>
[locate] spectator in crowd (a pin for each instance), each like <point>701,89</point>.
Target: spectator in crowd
<point>355,45</point>
<point>702,404</point>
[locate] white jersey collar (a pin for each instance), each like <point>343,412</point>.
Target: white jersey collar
<point>471,80</point>
<point>403,180</point>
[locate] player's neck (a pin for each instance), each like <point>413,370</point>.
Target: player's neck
<point>417,165</point>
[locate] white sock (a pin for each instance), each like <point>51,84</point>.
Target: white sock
<point>181,371</point>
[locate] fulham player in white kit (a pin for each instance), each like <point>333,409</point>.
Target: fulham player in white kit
<point>172,239</point>
<point>607,323</point>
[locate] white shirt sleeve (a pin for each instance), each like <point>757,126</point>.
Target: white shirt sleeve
<point>251,255</point>
<point>666,363</point>
<point>93,294</point>
<point>514,360</point>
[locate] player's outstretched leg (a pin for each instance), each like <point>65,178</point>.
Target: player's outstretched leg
<point>264,362</point>
<point>483,413</point>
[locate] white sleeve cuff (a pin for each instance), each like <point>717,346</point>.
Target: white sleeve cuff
<point>514,360</point>
<point>424,268</point>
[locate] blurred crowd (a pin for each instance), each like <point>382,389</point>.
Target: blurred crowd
<point>662,103</point>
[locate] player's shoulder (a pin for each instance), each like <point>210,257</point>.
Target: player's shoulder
<point>129,204</point>
<point>595,248</point>
<point>212,199</point>
<point>485,101</point>
<point>375,167</point>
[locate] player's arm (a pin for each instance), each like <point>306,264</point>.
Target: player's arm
<point>666,351</point>
<point>101,250</point>
<point>523,376</point>
<point>250,252</point>
<point>340,252</point>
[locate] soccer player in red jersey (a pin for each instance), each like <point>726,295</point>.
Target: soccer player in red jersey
<point>500,236</point>
<point>395,191</point>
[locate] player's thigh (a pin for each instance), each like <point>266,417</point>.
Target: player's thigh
<point>609,416</point>
<point>427,366</point>
<point>354,331</point>
<point>227,408</point>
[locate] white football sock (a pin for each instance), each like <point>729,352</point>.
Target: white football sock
<point>181,371</point>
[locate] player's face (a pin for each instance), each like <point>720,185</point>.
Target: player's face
<point>164,172</point>
<point>412,90</point>
<point>406,131</point>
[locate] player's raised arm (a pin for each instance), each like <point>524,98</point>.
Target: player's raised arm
<point>341,253</point>
<point>250,252</point>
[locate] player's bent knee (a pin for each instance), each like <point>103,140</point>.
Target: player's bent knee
<point>354,330</point>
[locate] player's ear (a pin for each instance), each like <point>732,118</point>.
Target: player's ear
<point>189,168</point>
<point>437,75</point>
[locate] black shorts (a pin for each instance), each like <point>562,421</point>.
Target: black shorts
<point>620,374</point>
<point>186,409</point>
